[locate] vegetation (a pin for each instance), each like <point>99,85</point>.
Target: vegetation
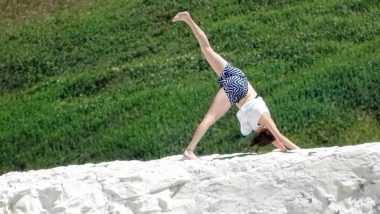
<point>107,80</point>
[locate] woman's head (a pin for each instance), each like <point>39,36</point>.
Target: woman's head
<point>263,137</point>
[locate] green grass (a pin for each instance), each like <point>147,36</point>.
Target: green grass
<point>100,81</point>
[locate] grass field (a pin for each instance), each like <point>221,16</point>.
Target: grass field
<point>91,81</point>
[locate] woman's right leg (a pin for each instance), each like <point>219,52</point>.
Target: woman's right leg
<point>214,59</point>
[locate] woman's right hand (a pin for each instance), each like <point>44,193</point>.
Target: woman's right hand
<point>182,16</point>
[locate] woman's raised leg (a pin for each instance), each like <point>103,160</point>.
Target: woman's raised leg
<point>219,107</point>
<point>214,59</point>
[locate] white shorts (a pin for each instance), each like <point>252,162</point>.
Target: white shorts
<point>249,115</point>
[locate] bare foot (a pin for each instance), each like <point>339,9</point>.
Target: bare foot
<point>182,16</point>
<point>189,155</point>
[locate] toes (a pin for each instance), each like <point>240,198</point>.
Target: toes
<point>176,19</point>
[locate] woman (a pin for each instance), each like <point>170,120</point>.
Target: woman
<point>234,89</point>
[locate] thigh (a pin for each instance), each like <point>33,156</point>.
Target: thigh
<point>217,62</point>
<point>219,107</point>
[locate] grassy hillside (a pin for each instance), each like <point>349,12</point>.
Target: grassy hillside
<point>118,80</point>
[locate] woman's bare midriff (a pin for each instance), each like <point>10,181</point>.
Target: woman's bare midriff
<point>251,94</point>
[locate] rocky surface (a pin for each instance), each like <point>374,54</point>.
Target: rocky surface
<point>323,180</point>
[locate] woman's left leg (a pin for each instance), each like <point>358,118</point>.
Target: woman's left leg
<point>267,121</point>
<point>219,107</point>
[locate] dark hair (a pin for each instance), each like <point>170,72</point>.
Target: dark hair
<point>262,138</point>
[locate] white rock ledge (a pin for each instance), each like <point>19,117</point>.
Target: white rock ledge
<point>324,180</point>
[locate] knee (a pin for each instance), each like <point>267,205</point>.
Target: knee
<point>206,49</point>
<point>208,120</point>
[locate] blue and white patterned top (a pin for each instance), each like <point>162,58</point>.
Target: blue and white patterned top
<point>234,83</point>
